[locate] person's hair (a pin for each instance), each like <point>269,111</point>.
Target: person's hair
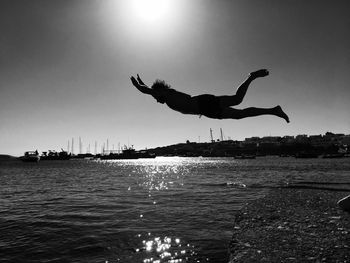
<point>160,85</point>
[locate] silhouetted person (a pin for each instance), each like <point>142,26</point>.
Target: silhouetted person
<point>216,107</point>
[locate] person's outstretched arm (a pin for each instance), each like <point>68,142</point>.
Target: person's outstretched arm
<point>140,85</point>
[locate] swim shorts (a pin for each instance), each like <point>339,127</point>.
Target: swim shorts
<point>209,106</point>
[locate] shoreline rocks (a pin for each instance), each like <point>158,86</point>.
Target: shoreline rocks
<point>292,225</point>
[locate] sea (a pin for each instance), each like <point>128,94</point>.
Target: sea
<point>167,209</point>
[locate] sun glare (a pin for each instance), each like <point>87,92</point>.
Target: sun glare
<point>151,21</point>
<point>151,10</point>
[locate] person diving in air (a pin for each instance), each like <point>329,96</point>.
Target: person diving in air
<point>215,107</point>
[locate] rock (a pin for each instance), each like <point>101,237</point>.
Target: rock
<point>344,203</point>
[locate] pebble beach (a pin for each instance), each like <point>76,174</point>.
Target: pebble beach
<point>292,225</point>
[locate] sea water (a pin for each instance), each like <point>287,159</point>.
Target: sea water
<point>167,209</point>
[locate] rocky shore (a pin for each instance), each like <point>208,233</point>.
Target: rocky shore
<point>292,225</point>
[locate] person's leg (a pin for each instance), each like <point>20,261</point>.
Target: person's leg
<point>227,101</point>
<point>231,113</point>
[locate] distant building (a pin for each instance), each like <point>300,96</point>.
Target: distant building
<point>317,140</point>
<point>287,139</point>
<point>302,138</point>
<point>252,140</point>
<point>271,139</point>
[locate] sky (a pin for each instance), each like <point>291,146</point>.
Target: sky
<point>65,69</point>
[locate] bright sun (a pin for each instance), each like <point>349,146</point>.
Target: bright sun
<point>156,19</point>
<point>151,10</point>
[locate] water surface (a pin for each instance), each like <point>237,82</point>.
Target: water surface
<point>147,210</point>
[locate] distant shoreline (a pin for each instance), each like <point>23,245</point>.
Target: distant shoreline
<point>7,157</point>
<point>284,146</point>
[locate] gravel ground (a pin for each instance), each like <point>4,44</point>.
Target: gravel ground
<point>292,225</point>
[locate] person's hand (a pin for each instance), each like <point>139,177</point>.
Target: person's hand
<point>138,83</point>
<point>134,82</point>
<point>140,80</point>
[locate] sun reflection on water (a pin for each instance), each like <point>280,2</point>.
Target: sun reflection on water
<point>164,249</point>
<point>155,176</point>
<point>161,175</point>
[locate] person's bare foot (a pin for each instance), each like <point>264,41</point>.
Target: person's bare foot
<point>259,73</point>
<point>280,113</point>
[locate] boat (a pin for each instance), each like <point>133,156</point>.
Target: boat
<point>30,156</point>
<point>85,156</point>
<point>53,155</point>
<point>126,154</point>
<point>145,154</point>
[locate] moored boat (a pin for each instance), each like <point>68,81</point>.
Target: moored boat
<point>53,155</point>
<point>146,154</point>
<point>127,153</point>
<point>30,156</point>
